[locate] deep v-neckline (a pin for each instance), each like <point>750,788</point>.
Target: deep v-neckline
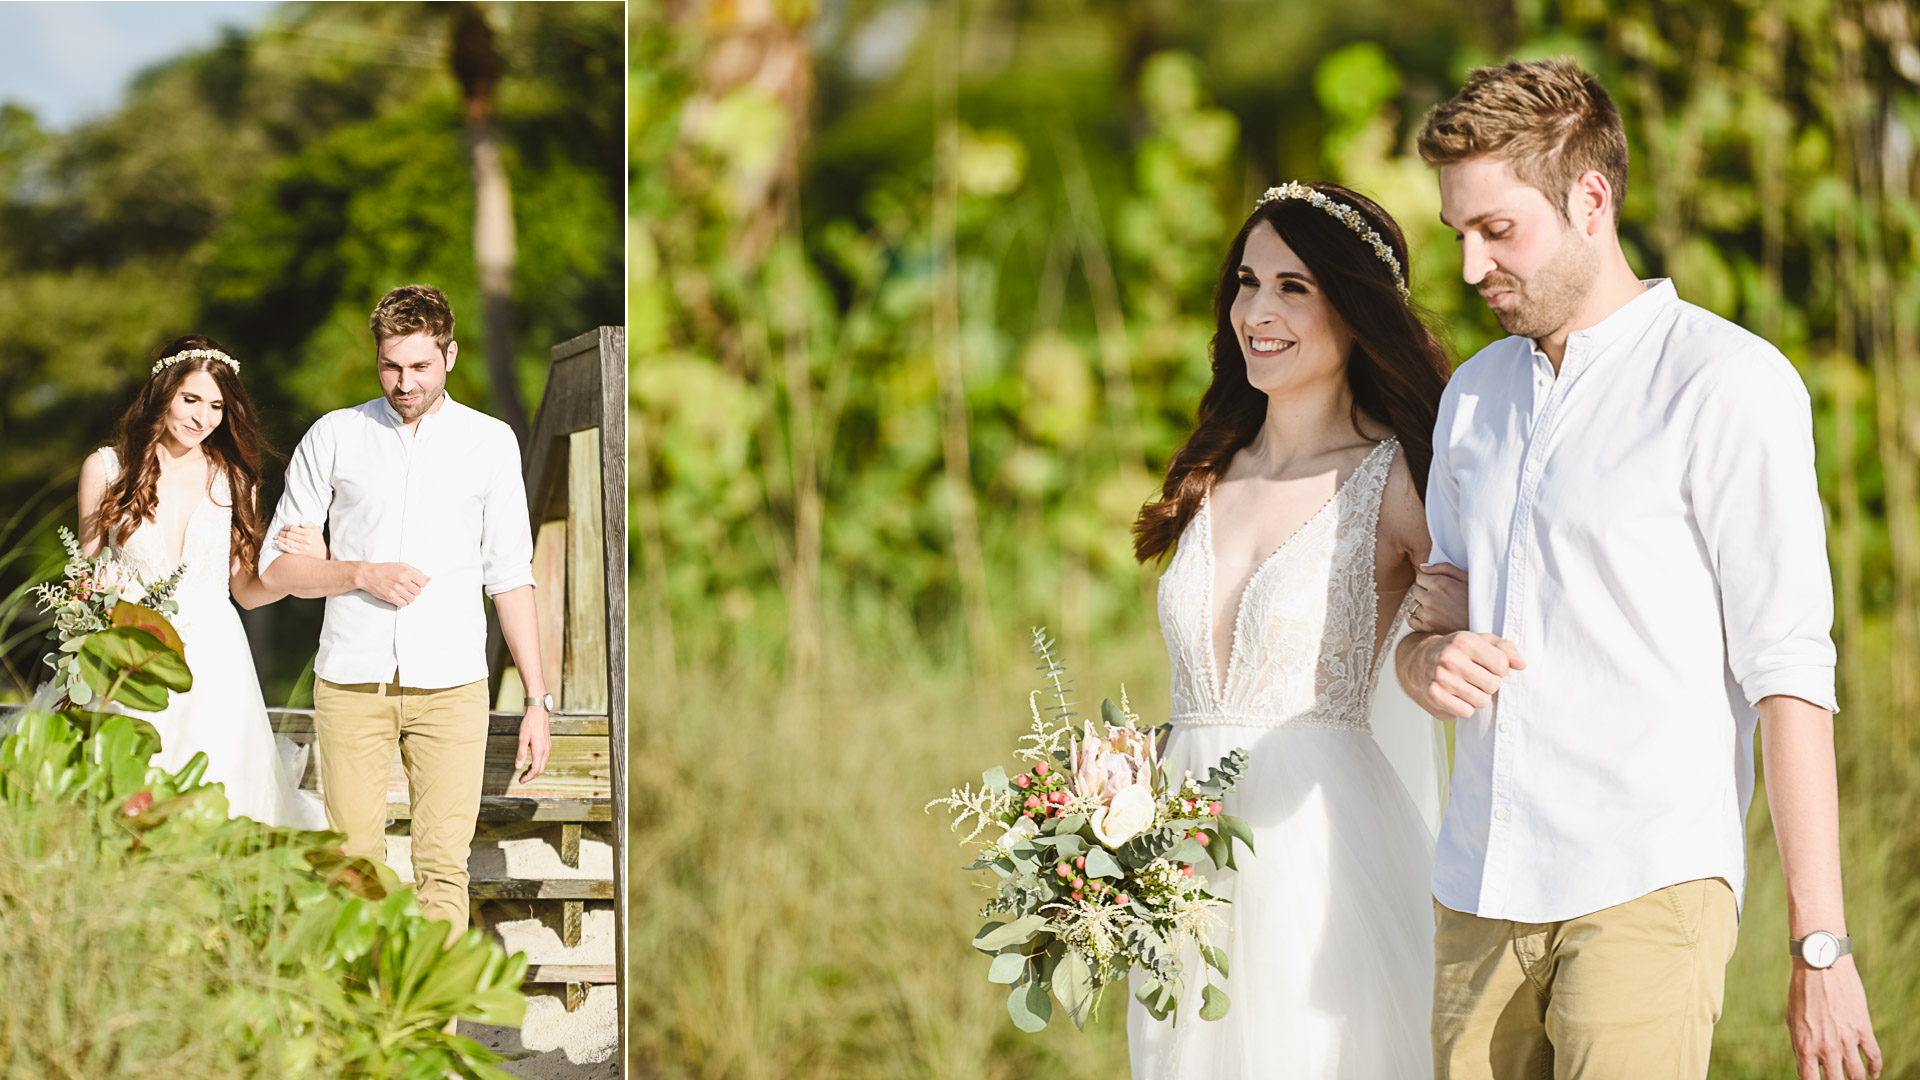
<point>186,531</point>
<point>1217,683</point>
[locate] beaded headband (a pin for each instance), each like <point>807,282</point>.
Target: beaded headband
<point>1351,218</point>
<point>195,354</point>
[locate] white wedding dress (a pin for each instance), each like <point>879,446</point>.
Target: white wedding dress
<point>1330,933</point>
<point>224,716</point>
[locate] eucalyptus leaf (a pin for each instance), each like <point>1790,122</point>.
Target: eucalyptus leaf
<point>1236,828</point>
<point>1073,984</point>
<point>1216,957</point>
<point>1101,865</point>
<point>1007,967</point>
<point>1030,1006</point>
<point>996,936</point>
<point>1213,1002</point>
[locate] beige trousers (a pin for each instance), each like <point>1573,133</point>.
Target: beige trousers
<point>443,747</point>
<point>1629,991</point>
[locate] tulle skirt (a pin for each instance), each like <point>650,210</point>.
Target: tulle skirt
<point>1330,934</point>
<point>225,717</point>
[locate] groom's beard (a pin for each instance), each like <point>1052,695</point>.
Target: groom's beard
<point>1544,301</point>
<point>423,402</point>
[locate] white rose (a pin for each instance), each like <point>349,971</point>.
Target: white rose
<point>1018,831</point>
<point>1129,812</point>
<point>133,591</point>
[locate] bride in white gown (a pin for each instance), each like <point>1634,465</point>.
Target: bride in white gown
<point>1294,513</point>
<point>164,494</point>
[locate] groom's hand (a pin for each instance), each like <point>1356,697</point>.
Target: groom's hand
<point>395,582</point>
<point>1462,671</point>
<point>536,740</point>
<point>1827,1017</point>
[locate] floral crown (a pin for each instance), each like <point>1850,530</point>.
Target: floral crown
<point>195,354</point>
<point>1351,218</point>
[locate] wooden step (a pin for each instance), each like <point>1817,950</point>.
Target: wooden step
<point>596,974</point>
<point>541,889</point>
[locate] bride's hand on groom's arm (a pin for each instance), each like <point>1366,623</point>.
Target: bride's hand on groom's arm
<point>304,539</point>
<point>1452,675</point>
<point>1439,599</point>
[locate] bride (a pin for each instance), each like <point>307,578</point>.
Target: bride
<point>181,484</point>
<point>1294,516</point>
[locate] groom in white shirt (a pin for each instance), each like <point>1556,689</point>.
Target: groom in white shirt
<point>425,510</point>
<point>1629,481</point>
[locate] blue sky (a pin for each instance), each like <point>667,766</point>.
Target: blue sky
<point>71,60</point>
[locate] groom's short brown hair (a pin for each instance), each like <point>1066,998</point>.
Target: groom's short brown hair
<point>413,309</point>
<point>1550,121</point>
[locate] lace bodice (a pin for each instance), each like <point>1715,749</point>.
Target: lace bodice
<point>1304,645</point>
<point>207,551</point>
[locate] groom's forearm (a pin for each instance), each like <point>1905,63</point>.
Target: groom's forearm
<point>1415,672</point>
<point>520,628</point>
<point>306,576</point>
<point>1796,745</point>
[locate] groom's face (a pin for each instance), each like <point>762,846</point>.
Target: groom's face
<point>1531,266</point>
<point>413,374</point>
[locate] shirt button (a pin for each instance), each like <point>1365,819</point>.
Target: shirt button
<point>1504,726</point>
<point>1519,551</point>
<point>1500,814</point>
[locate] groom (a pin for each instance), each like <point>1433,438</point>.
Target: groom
<point>1630,482</point>
<point>425,509</point>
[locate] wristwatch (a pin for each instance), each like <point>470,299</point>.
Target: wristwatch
<point>1820,949</point>
<point>545,701</point>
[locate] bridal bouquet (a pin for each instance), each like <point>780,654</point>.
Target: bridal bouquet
<point>99,593</point>
<point>1095,844</point>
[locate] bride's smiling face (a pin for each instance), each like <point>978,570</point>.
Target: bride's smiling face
<point>196,409</point>
<point>1289,333</point>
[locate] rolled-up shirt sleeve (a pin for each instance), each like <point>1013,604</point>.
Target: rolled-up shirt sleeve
<point>1756,498</point>
<point>309,488</point>
<point>506,536</point>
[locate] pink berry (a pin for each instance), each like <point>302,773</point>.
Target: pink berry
<point>1063,871</point>
<point>1186,871</point>
<point>1022,781</point>
<point>1077,896</point>
<point>1214,809</point>
<point>1123,898</point>
<point>1079,883</point>
<point>1204,839</point>
<point>1033,800</point>
<point>1040,769</point>
<point>1079,862</point>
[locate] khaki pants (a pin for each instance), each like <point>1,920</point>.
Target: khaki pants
<point>1629,991</point>
<point>443,747</point>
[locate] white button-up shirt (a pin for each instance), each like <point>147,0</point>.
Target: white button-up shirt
<point>444,497</point>
<point>1646,527</point>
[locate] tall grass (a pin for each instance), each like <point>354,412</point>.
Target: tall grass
<point>797,915</point>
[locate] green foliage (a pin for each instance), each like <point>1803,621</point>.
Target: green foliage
<point>143,932</point>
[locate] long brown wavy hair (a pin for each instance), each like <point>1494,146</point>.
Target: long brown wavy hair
<point>234,446</point>
<point>1396,369</point>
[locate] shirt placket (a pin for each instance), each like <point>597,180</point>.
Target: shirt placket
<point>1549,392</point>
<point>410,450</point>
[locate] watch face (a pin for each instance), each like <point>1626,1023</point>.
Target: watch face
<point>1820,949</point>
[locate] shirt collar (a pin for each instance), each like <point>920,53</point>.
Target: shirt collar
<point>1624,324</point>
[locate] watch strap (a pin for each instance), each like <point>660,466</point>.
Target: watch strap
<point>1796,947</point>
<point>545,701</point>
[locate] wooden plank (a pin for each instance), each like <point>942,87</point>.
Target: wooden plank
<point>592,974</point>
<point>612,349</point>
<point>550,599</point>
<point>541,889</point>
<point>296,723</point>
<point>583,682</point>
<point>500,808</point>
<point>572,914</point>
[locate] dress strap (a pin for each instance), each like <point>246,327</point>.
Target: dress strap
<point>112,459</point>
